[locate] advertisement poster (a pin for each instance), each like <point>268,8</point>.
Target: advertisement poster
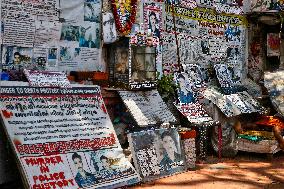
<point>157,153</point>
<point>63,137</point>
<point>147,107</point>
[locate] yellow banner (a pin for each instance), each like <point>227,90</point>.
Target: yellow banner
<point>207,15</point>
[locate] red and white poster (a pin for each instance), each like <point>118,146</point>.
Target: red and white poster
<point>63,138</point>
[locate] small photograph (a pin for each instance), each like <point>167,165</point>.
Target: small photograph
<point>121,64</point>
<point>91,12</point>
<point>41,62</point>
<point>89,37</point>
<point>109,165</point>
<point>205,47</point>
<point>65,54</point>
<point>83,177</point>
<point>52,53</point>
<point>16,57</point>
<point>52,57</point>
<point>77,52</point>
<point>69,33</point>
<point>143,64</point>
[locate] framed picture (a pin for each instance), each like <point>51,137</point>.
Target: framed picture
<point>142,67</point>
<point>157,153</point>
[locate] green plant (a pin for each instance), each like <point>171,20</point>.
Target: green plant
<point>166,86</point>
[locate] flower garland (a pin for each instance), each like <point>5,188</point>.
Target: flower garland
<point>128,25</point>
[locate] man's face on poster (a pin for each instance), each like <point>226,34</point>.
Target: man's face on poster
<point>169,145</point>
<point>17,59</point>
<point>78,163</point>
<point>105,164</point>
<point>153,20</point>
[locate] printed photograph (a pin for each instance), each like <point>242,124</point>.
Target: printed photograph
<point>66,54</point>
<point>143,64</point>
<point>109,165</point>
<point>82,176</point>
<point>109,30</point>
<point>89,36</point>
<point>159,155</point>
<point>91,12</point>
<point>69,33</point>
<point>152,17</point>
<point>185,92</point>
<point>15,60</point>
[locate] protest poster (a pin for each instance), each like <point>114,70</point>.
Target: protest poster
<point>47,79</point>
<point>153,17</point>
<point>157,153</point>
<point>195,113</point>
<point>63,137</point>
<point>147,108</point>
<point>70,31</point>
<point>233,104</point>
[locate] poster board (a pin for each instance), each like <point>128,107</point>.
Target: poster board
<point>195,113</point>
<point>51,35</point>
<point>47,79</point>
<point>157,153</point>
<point>233,104</point>
<point>147,107</point>
<point>61,134</point>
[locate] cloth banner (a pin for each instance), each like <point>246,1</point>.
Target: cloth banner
<point>63,138</point>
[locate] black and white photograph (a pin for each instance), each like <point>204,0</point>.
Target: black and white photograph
<point>157,153</point>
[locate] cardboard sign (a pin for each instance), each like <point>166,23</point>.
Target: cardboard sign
<point>47,79</point>
<point>63,138</point>
<point>233,104</point>
<point>147,107</point>
<point>195,113</point>
<point>157,153</point>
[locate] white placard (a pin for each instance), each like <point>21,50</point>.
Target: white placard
<point>147,107</point>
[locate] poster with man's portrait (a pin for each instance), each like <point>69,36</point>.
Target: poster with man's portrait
<point>95,169</point>
<point>153,18</point>
<point>15,60</point>
<point>156,153</point>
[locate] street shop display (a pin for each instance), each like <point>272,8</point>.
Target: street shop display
<point>63,137</point>
<point>57,35</point>
<point>157,153</point>
<point>147,107</point>
<point>273,81</point>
